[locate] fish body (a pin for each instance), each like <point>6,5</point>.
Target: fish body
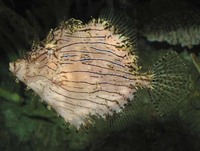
<point>90,69</point>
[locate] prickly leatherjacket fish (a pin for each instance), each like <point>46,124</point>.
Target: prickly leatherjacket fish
<point>91,69</point>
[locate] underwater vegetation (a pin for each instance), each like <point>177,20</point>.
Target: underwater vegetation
<point>28,123</point>
<point>182,28</point>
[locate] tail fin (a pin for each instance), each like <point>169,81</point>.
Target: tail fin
<point>171,83</point>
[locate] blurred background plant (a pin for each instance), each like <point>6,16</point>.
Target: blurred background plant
<point>25,122</point>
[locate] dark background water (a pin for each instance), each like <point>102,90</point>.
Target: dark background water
<point>26,124</point>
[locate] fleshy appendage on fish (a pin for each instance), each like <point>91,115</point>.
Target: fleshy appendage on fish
<point>83,70</point>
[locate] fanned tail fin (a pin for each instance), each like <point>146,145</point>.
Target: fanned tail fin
<point>170,84</point>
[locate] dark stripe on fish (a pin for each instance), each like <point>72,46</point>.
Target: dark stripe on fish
<point>89,29</point>
<point>98,66</point>
<point>109,51</point>
<point>98,59</point>
<point>105,74</point>
<point>92,52</point>
<point>81,43</point>
<point>47,67</point>
<point>78,100</point>
<point>90,92</point>
<point>96,37</point>
<point>100,83</point>
<point>40,55</point>
<point>82,51</point>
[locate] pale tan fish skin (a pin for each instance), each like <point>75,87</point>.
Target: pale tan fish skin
<point>83,71</point>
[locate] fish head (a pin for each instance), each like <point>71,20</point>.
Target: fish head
<point>39,63</point>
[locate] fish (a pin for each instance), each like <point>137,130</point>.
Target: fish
<point>84,70</point>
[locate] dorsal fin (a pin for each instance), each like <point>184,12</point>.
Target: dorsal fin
<point>122,23</point>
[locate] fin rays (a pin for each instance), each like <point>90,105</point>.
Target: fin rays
<point>171,83</point>
<point>125,118</point>
<point>122,23</point>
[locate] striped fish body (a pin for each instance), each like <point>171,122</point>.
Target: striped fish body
<point>91,70</point>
